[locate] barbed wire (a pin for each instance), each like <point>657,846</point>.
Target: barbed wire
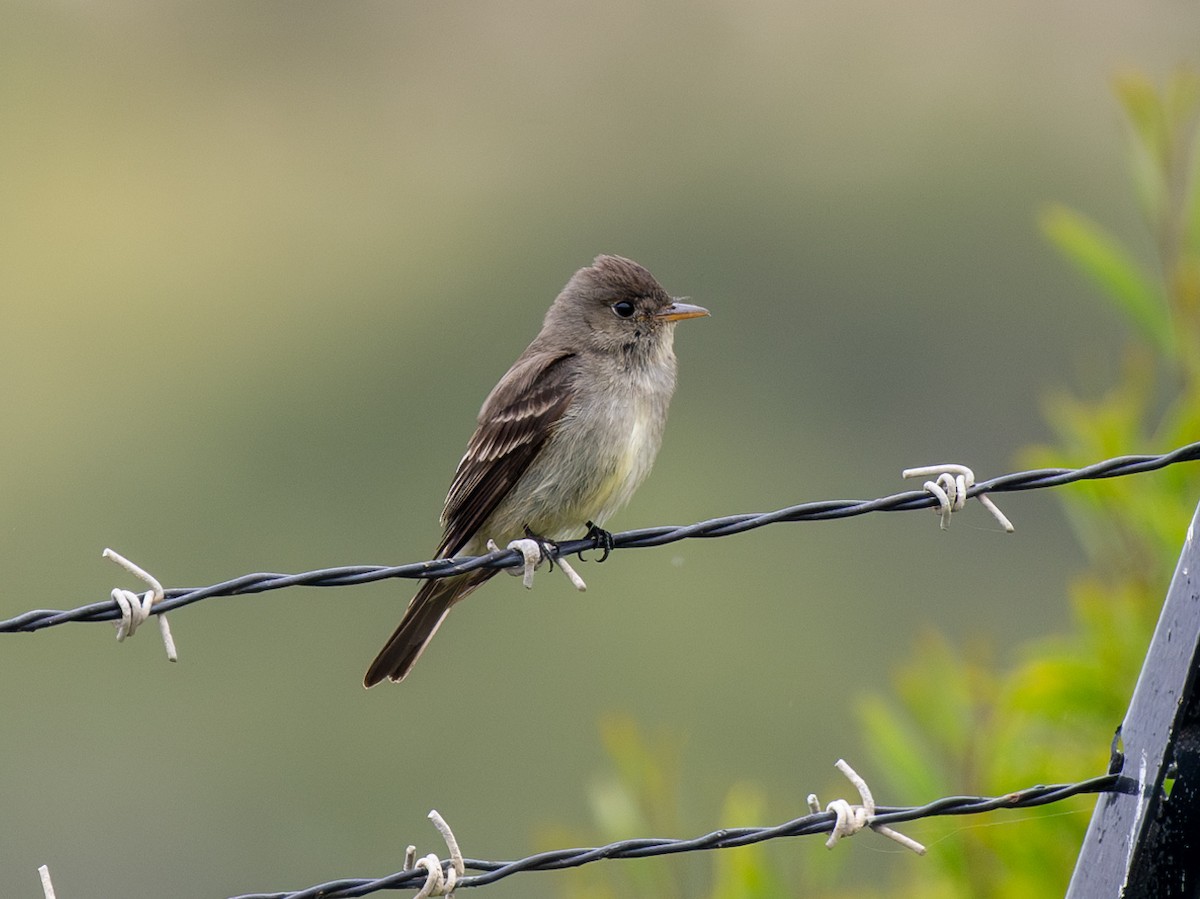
<point>726,838</point>
<point>822,510</point>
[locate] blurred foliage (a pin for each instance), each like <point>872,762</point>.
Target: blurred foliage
<point>960,721</point>
<point>641,798</point>
<point>964,724</point>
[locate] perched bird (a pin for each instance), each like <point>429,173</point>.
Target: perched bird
<point>563,439</point>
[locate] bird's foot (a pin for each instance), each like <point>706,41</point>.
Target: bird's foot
<point>602,539</point>
<point>547,549</point>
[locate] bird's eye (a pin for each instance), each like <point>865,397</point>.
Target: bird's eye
<point>624,309</point>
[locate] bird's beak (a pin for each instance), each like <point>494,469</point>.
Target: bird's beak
<point>679,311</point>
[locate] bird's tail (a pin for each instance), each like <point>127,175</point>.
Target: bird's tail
<point>421,620</point>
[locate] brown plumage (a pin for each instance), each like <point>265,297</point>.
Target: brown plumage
<point>564,437</point>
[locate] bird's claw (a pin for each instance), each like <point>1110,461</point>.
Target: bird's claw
<point>547,548</point>
<point>602,539</point>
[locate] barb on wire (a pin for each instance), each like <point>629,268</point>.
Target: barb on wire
<point>47,886</point>
<point>725,526</point>
<point>413,878</point>
<point>853,818</point>
<point>440,880</point>
<point>951,489</point>
<point>135,609</point>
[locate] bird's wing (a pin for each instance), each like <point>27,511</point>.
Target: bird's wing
<point>514,424</point>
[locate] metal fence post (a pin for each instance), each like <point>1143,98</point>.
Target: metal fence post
<point>1145,841</point>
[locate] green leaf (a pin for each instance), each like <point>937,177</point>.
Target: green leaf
<point>1191,240</point>
<point>746,872</point>
<point>1149,144</point>
<point>1144,110</point>
<point>1098,255</point>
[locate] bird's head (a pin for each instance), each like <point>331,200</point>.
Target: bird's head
<point>620,307</point>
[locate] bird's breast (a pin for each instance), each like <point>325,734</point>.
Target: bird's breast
<point>598,454</point>
<point>626,455</point>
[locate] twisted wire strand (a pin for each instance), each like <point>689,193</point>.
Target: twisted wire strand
<point>822,822</point>
<point>822,510</point>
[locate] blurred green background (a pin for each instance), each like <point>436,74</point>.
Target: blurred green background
<point>261,263</point>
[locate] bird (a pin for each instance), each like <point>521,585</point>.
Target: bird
<point>561,442</point>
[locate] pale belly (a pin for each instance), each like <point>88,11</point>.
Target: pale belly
<point>592,471</point>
